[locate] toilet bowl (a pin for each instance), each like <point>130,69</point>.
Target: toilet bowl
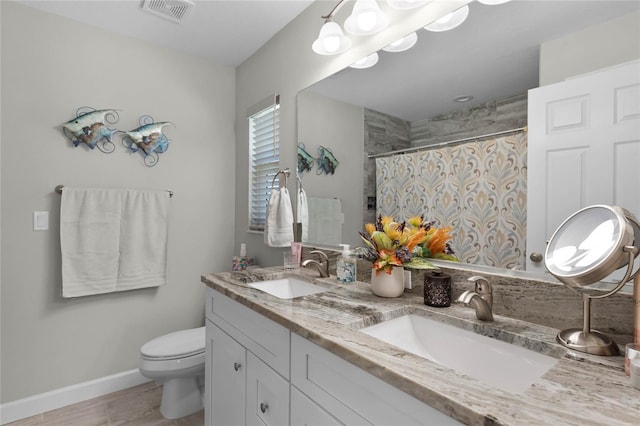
<point>176,361</point>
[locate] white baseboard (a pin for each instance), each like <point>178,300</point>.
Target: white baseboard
<point>27,407</point>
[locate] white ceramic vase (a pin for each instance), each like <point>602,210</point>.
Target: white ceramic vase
<point>388,285</point>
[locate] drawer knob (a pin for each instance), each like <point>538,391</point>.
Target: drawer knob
<point>264,407</point>
<point>237,366</point>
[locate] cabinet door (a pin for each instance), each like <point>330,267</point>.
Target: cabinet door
<point>267,395</point>
<point>225,379</point>
<point>305,412</point>
<point>352,395</point>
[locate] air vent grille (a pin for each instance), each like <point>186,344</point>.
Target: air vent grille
<point>173,10</point>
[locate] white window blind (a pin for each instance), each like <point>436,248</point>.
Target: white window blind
<point>264,161</point>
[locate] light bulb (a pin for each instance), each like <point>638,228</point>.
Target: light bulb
<point>331,43</point>
<point>406,4</point>
<point>366,62</point>
<point>493,2</point>
<point>405,43</point>
<point>449,21</point>
<point>446,18</point>
<point>331,40</point>
<point>366,20</point>
<point>397,43</point>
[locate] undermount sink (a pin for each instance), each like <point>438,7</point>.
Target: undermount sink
<point>502,365</point>
<point>287,288</point>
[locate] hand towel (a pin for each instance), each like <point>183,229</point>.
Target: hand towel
<point>303,214</point>
<point>325,221</point>
<point>112,240</point>
<point>278,230</point>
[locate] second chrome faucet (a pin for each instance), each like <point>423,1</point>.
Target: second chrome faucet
<point>481,299</point>
<point>322,266</point>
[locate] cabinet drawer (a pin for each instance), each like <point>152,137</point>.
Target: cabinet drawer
<point>263,337</point>
<point>353,395</point>
<point>267,395</point>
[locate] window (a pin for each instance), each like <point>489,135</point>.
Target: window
<point>264,158</point>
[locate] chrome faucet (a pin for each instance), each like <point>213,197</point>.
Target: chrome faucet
<point>322,265</point>
<point>481,299</point>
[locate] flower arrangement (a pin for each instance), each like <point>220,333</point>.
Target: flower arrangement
<point>408,244</point>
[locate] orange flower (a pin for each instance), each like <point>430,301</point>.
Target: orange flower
<point>438,239</point>
<point>417,238</point>
<point>386,260</point>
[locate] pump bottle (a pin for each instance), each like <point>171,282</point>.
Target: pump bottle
<point>346,266</point>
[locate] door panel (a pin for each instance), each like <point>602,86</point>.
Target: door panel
<point>584,149</point>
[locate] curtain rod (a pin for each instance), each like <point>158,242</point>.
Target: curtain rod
<point>59,189</point>
<point>452,142</point>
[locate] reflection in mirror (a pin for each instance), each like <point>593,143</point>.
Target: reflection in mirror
<point>407,101</point>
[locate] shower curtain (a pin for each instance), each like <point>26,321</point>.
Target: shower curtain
<point>479,188</point>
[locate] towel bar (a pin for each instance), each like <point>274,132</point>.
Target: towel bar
<point>285,172</point>
<point>59,190</point>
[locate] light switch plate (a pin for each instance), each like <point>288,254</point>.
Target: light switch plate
<point>40,221</point>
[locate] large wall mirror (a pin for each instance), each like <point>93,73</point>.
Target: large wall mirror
<point>411,99</point>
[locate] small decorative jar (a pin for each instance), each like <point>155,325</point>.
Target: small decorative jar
<point>437,289</point>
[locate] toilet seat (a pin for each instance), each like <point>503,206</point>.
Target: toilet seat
<point>177,345</point>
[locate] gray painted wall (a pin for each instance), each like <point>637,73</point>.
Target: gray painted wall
<point>337,126</point>
<point>593,48</point>
<point>50,67</point>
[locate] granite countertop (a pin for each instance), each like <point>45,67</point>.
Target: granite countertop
<point>580,389</point>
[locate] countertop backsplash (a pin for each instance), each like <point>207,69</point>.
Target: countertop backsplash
<point>540,302</point>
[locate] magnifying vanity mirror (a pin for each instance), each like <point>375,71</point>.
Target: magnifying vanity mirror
<point>587,247</point>
<point>494,57</point>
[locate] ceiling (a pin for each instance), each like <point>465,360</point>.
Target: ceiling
<point>227,32</point>
<point>492,55</point>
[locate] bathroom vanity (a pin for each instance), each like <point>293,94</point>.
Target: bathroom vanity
<point>305,360</point>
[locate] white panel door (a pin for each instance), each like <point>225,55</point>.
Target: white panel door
<point>584,149</point>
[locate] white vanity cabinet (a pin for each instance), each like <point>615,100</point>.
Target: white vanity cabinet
<point>247,366</point>
<point>351,394</point>
<point>260,373</point>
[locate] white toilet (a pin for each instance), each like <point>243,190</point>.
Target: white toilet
<point>176,360</point>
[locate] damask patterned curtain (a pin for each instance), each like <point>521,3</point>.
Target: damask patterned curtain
<point>479,188</point>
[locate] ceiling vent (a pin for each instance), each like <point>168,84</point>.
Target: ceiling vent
<point>173,10</point>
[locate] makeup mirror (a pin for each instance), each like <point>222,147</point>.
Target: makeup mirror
<point>588,246</point>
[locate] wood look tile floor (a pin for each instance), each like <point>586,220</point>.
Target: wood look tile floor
<point>139,406</point>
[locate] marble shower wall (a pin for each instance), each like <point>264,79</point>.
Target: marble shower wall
<point>382,133</point>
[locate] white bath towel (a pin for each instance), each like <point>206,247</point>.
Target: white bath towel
<point>278,230</point>
<point>112,240</point>
<point>303,214</point>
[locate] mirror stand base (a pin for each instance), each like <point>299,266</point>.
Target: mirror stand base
<point>592,342</point>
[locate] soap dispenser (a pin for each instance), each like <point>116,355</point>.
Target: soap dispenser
<point>346,266</point>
